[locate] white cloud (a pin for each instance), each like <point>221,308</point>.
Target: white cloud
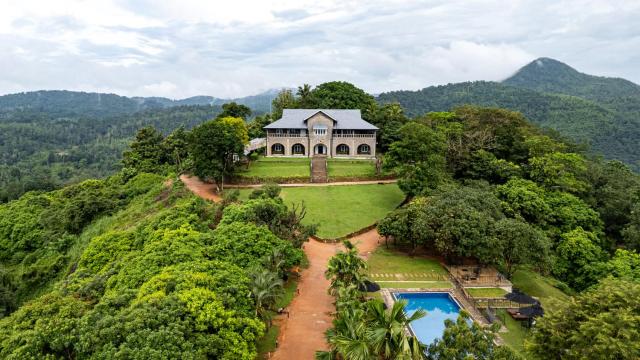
<point>234,48</point>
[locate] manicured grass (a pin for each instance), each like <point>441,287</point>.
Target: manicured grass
<point>486,292</point>
<point>277,168</point>
<point>539,286</point>
<point>415,284</point>
<point>386,261</point>
<point>515,334</point>
<point>347,168</point>
<point>340,210</point>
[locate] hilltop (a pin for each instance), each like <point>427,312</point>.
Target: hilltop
<point>601,112</point>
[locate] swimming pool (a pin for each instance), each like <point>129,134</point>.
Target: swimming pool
<point>439,307</point>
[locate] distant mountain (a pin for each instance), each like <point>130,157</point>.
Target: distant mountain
<point>60,103</point>
<point>66,103</point>
<point>548,75</point>
<point>603,112</point>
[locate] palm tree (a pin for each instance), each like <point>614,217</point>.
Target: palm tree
<point>388,334</point>
<point>346,268</point>
<point>348,337</point>
<point>266,289</point>
<point>305,94</point>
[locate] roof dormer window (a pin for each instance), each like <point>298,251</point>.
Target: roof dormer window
<point>320,129</point>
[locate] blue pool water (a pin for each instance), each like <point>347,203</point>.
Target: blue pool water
<point>439,307</point>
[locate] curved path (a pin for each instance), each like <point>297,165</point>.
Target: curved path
<point>302,332</point>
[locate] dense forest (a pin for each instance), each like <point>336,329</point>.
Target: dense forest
<point>601,112</point>
<point>42,151</point>
<point>135,266</point>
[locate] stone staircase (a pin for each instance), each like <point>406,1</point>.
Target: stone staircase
<point>319,169</point>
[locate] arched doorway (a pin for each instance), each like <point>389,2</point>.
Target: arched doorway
<point>320,149</point>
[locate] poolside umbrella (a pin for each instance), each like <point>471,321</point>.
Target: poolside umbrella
<point>369,286</point>
<point>520,297</point>
<point>532,311</point>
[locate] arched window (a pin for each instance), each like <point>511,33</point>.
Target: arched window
<point>277,149</point>
<point>364,149</point>
<point>297,149</point>
<point>320,129</point>
<point>342,149</point>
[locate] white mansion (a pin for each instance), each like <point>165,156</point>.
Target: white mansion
<point>323,132</point>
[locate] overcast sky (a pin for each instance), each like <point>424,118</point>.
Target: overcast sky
<point>235,48</point>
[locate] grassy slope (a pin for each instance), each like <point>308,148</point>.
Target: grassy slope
<point>539,286</point>
<point>486,292</point>
<point>339,210</point>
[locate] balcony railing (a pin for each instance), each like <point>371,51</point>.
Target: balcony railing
<point>285,135</point>
<point>354,135</point>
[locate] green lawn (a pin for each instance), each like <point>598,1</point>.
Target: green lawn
<point>340,210</point>
<point>515,335</point>
<point>277,169</point>
<point>386,261</point>
<point>539,286</point>
<point>347,168</point>
<point>486,292</point>
<point>415,284</point>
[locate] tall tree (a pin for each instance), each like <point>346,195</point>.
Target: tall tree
<point>418,158</point>
<point>464,339</point>
<point>306,99</point>
<point>213,146</point>
<point>146,153</point>
<point>233,109</point>
<point>600,323</point>
<point>284,100</point>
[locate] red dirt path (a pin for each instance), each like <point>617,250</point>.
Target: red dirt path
<point>302,333</point>
<point>200,188</point>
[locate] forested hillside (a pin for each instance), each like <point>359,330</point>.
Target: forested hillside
<point>601,112</point>
<point>41,149</point>
<point>548,75</point>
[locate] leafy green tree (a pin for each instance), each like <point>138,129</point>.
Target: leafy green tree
<point>147,153</point>
<point>624,264</point>
<point>389,118</point>
<point>235,110</point>
<point>484,165</point>
<point>340,95</point>
<point>284,100</point>
<point>418,159</point>
<point>600,323</point>
<point>464,339</point>
<point>213,145</point>
<point>577,257</point>
<point>615,192</point>
<point>256,126</point>
<point>176,146</point>
<point>520,244</point>
<point>560,171</point>
<point>631,232</point>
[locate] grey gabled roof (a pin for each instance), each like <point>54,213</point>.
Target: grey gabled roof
<point>345,119</point>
